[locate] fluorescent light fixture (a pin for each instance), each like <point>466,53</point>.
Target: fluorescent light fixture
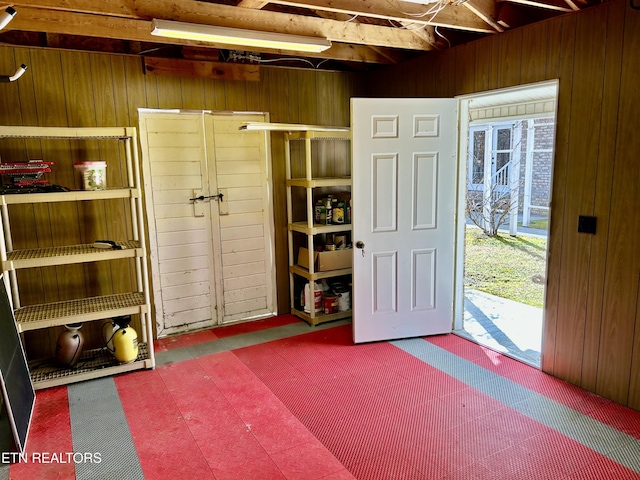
<point>237,36</point>
<point>6,17</point>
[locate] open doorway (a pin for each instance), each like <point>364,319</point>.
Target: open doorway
<point>506,144</point>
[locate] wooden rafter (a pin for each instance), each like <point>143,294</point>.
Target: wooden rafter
<point>45,13</point>
<point>201,69</point>
<point>251,4</point>
<point>361,31</point>
<point>426,32</point>
<point>450,16</point>
<point>555,5</point>
<point>574,6</point>
<point>486,10</point>
<point>37,20</point>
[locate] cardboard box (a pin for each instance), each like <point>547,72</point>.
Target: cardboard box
<point>325,261</point>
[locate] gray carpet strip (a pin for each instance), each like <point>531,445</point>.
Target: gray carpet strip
<point>242,340</point>
<point>98,425</point>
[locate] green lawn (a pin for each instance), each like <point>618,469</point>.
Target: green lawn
<point>542,224</point>
<point>509,267</point>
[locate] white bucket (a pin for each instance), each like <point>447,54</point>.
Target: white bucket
<point>94,175</point>
<point>344,298</point>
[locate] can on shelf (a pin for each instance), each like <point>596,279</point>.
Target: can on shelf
<point>320,216</point>
<point>338,213</point>
<point>330,304</point>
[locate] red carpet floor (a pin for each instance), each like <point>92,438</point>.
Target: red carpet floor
<point>315,406</point>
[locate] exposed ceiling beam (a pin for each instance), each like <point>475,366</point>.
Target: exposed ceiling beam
<point>573,5</point>
<point>510,17</point>
<point>426,32</point>
<point>53,11</point>
<point>450,16</point>
<point>555,5</point>
<point>393,55</point>
<point>49,21</point>
<point>251,4</point>
<point>174,67</point>
<point>486,10</point>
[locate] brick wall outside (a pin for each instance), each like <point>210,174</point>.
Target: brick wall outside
<point>542,164</point>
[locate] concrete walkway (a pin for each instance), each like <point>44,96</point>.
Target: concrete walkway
<point>504,229</point>
<point>512,328</point>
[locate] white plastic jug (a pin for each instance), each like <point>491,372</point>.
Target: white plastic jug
<point>317,294</point>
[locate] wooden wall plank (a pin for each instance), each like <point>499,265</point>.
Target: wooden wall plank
<point>445,74</point>
<point>192,93</point>
<point>616,379</point>
<point>151,90</point>
<point>136,88</point>
<point>342,160</point>
<point>169,92</point>
<point>510,58</point>
<point>482,66</point>
<point>66,223</point>
<point>296,105</point>
<point>112,212</point>
<point>465,69</point>
<point>494,66</point>
<point>534,54</point>
<point>274,81</point>
<point>554,38</point>
<point>253,97</point>
<point>554,294</point>
<point>306,91</point>
<point>603,187</point>
<point>219,95</point>
<point>554,248</point>
<point>236,95</point>
<point>588,67</point>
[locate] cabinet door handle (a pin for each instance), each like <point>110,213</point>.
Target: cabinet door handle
<point>203,197</point>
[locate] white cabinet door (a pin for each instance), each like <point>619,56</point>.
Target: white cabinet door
<point>238,168</point>
<point>404,168</point>
<point>211,258</point>
<point>180,237</point>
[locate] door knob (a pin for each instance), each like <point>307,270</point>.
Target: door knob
<point>359,244</point>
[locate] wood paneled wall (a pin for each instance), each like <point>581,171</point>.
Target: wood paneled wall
<point>63,88</point>
<point>592,312</point>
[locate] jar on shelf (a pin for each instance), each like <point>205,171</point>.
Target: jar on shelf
<point>69,346</point>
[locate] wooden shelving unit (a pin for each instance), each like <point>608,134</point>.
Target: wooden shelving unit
<point>308,227</point>
<point>93,363</point>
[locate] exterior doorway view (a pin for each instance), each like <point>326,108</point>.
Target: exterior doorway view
<point>506,201</point>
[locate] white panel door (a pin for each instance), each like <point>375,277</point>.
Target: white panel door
<point>404,188</point>
<point>180,237</point>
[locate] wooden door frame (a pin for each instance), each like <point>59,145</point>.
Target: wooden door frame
<point>463,166</point>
